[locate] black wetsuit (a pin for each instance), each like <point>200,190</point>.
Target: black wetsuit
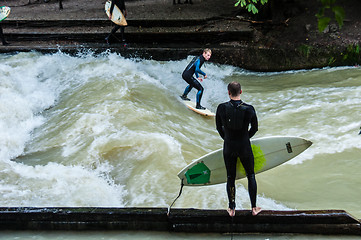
<point>232,121</point>
<point>121,5</point>
<point>194,68</point>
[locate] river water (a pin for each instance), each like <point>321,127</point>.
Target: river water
<point>106,131</point>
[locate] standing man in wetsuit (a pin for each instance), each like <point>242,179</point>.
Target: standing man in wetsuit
<point>121,5</point>
<point>232,121</point>
<point>194,67</point>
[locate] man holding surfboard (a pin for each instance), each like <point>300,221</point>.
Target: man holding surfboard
<point>4,13</point>
<point>232,121</point>
<point>194,67</point>
<point>121,5</point>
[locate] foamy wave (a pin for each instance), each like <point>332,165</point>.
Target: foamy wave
<point>102,130</point>
<point>57,185</point>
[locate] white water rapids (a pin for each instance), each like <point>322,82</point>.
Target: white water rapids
<point>102,130</point>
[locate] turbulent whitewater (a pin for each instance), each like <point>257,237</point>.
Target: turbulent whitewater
<point>103,130</point>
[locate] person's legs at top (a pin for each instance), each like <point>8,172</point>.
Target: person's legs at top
<point>4,42</point>
<point>115,28</point>
<point>122,32</point>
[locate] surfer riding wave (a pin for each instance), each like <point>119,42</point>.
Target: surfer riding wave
<point>194,67</point>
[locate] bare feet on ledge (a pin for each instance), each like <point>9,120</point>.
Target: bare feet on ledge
<point>231,212</point>
<point>256,210</point>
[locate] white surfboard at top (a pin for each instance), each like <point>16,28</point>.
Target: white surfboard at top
<point>4,12</point>
<point>117,15</point>
<point>268,152</point>
<point>192,106</point>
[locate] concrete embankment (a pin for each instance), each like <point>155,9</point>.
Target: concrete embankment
<point>229,38</point>
<point>179,220</point>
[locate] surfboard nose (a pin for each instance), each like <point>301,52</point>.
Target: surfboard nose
<point>308,143</point>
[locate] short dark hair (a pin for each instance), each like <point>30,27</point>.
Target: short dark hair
<point>207,50</point>
<point>234,88</point>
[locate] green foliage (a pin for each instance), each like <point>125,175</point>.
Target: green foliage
<point>250,5</point>
<point>323,21</point>
<point>351,56</point>
<point>305,50</point>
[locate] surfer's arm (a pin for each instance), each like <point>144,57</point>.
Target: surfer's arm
<point>111,9</point>
<point>254,124</point>
<point>219,124</point>
<point>198,70</point>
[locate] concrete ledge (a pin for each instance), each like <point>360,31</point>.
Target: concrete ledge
<point>179,220</point>
<point>171,40</point>
<point>132,37</point>
<point>104,22</point>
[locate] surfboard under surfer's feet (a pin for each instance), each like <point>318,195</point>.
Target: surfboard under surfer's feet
<point>256,210</point>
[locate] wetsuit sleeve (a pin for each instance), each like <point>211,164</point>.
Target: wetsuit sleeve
<point>198,70</point>
<point>254,124</point>
<point>120,4</point>
<point>219,124</point>
<point>111,7</point>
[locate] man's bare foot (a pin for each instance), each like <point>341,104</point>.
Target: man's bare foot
<point>231,212</point>
<point>256,210</point>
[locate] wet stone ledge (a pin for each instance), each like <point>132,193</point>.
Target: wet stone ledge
<point>179,220</point>
<point>165,40</point>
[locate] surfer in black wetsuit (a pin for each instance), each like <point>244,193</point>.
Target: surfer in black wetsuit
<point>121,5</point>
<point>194,67</point>
<point>2,36</point>
<point>232,121</point>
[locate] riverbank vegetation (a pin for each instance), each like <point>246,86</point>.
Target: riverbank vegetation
<point>325,32</point>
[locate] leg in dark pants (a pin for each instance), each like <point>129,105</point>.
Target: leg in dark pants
<point>231,162</point>
<point>4,42</point>
<point>115,28</point>
<point>247,160</point>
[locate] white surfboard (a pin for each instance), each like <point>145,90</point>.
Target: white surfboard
<point>4,12</point>
<point>268,152</point>
<point>192,106</point>
<point>117,15</point>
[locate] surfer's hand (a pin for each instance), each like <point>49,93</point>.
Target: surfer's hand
<point>200,79</point>
<point>110,16</point>
<point>205,76</point>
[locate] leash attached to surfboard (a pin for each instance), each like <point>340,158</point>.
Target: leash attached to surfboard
<point>180,192</point>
